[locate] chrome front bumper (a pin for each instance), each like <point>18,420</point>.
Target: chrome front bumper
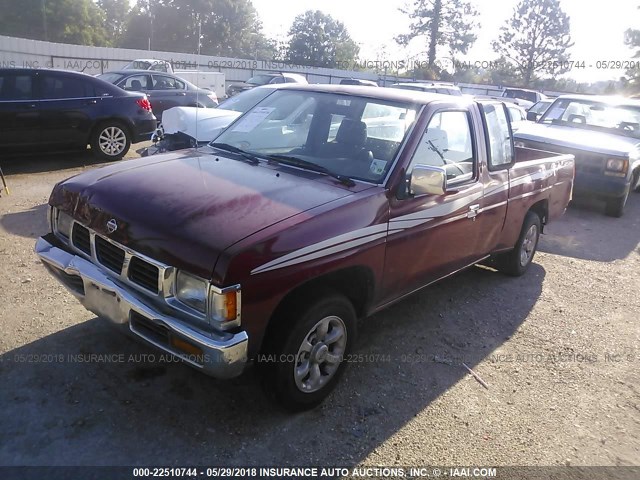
<point>223,355</point>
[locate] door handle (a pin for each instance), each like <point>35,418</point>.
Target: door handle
<point>473,211</point>
<point>181,94</point>
<point>29,106</point>
<point>91,102</point>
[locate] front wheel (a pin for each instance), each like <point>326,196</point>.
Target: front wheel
<point>110,141</point>
<point>305,359</point>
<point>636,182</point>
<point>615,206</point>
<point>517,261</point>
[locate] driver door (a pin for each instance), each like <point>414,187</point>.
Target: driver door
<point>431,236</point>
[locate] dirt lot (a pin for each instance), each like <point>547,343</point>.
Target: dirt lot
<point>559,349</point>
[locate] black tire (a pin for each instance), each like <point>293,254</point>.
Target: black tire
<point>517,261</point>
<point>615,206</point>
<point>636,181</point>
<point>283,352</point>
<point>110,140</point>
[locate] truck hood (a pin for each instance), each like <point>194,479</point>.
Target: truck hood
<point>185,208</point>
<point>579,138</point>
<point>203,124</point>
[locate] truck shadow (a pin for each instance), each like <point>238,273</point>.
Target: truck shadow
<point>48,162</point>
<point>585,232</point>
<point>88,395</point>
<point>30,223</point>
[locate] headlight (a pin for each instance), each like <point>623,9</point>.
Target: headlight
<point>221,305</point>
<point>617,165</point>
<point>192,291</point>
<point>63,224</point>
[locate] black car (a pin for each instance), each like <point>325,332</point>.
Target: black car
<point>63,110</point>
<point>164,90</point>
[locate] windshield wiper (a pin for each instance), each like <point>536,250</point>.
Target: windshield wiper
<point>299,162</point>
<point>230,148</point>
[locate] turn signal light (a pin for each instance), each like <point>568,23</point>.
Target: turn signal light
<point>231,305</point>
<point>185,347</point>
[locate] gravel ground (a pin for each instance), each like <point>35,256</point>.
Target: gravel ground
<point>558,348</point>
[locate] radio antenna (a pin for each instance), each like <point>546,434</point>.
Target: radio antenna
<point>197,76</point>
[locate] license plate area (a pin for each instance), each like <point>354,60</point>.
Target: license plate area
<point>105,303</point>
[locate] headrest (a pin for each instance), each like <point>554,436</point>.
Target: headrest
<point>353,132</point>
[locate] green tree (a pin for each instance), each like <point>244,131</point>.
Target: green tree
<point>447,23</point>
<point>226,27</point>
<point>66,21</point>
<point>115,14</point>
<point>318,40</point>
<point>536,39</point>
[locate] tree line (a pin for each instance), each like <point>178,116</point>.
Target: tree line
<point>532,47</point>
<point>229,28</point>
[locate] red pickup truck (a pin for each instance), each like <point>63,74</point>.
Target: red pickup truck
<point>269,244</point>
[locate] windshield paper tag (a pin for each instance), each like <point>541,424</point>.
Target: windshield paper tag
<point>555,114</point>
<point>377,167</point>
<point>253,119</point>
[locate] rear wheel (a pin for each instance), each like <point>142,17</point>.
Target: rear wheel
<point>304,359</point>
<point>615,206</point>
<point>110,140</point>
<point>517,261</point>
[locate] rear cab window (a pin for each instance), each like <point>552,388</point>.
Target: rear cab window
<point>499,137</point>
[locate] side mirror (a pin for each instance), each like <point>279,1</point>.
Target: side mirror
<point>532,116</point>
<point>428,180</point>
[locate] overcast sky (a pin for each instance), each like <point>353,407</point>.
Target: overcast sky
<point>597,27</point>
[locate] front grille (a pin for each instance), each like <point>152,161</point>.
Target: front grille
<point>109,255</point>
<point>81,238</point>
<point>139,272</point>
<point>144,274</point>
<point>586,162</point>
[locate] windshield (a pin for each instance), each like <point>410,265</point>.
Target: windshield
<point>521,94</point>
<point>111,77</point>
<point>245,100</point>
<point>351,136</point>
<point>540,107</point>
<point>617,119</point>
<point>260,79</point>
<point>408,87</point>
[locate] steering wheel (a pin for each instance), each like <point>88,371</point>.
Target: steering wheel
<point>626,126</point>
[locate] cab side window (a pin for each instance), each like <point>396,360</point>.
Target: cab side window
<point>447,143</point>
<point>135,83</point>
<point>500,146</point>
<point>162,82</point>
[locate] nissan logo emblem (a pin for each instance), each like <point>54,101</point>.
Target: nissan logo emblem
<point>112,226</point>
